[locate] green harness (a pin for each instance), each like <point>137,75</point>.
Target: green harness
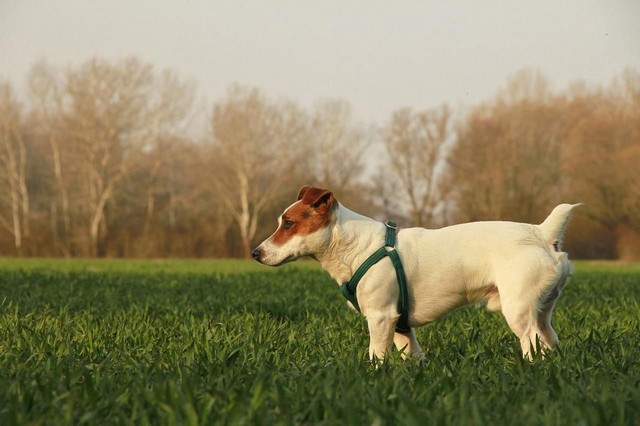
<point>348,289</point>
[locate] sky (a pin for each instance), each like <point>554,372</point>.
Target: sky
<point>377,55</point>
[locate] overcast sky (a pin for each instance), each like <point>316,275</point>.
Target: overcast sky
<point>377,55</point>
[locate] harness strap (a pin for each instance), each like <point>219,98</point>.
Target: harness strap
<point>348,288</point>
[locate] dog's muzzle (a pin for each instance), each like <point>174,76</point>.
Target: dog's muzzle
<point>256,253</point>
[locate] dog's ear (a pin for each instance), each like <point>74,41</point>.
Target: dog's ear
<point>324,203</point>
<point>302,191</point>
<point>321,200</point>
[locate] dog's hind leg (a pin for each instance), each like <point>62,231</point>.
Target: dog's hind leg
<point>521,318</point>
<point>530,317</point>
<point>408,345</point>
<point>544,330</point>
<point>518,300</point>
<point>547,303</point>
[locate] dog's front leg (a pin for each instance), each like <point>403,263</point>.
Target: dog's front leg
<point>408,344</point>
<point>381,330</point>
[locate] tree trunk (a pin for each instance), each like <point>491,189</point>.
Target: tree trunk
<point>15,213</point>
<point>22,186</point>
<point>244,219</point>
<point>14,187</point>
<point>150,210</point>
<point>96,222</point>
<point>64,197</point>
<point>244,216</point>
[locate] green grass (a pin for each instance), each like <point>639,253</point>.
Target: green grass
<point>188,342</point>
<point>177,266</point>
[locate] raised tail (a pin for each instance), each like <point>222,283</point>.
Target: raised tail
<point>553,227</point>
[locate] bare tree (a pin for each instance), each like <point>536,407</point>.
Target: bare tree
<point>338,146</point>
<point>46,92</point>
<point>103,123</point>
<point>416,145</point>
<point>506,162</point>
<point>383,197</point>
<point>257,146</point>
<point>13,159</point>
<point>603,152</point>
<point>170,114</point>
<point>106,105</point>
<point>104,162</point>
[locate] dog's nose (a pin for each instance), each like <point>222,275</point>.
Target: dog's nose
<point>256,253</point>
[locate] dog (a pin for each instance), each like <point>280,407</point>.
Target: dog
<point>516,268</point>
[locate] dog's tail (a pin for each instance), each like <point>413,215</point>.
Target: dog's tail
<point>553,227</point>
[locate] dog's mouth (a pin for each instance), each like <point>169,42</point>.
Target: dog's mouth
<point>286,260</point>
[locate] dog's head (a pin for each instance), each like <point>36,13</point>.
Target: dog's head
<point>303,228</point>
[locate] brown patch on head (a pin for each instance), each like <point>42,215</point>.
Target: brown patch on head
<point>313,211</point>
<point>302,191</point>
<point>319,199</point>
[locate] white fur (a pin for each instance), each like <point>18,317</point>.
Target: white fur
<point>514,267</point>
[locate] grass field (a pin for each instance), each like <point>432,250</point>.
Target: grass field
<point>220,342</point>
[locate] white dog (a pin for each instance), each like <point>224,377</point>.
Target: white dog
<point>516,268</point>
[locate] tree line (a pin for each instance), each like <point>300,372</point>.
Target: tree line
<point>112,159</point>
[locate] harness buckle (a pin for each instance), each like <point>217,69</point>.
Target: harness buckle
<point>390,237</point>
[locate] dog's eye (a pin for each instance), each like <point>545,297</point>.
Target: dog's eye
<point>286,224</point>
